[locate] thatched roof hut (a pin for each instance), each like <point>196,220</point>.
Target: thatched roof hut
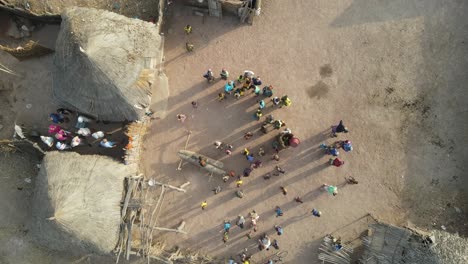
<point>389,244</point>
<point>105,63</point>
<point>76,203</point>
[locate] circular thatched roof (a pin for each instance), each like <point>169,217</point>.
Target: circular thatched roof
<point>105,63</point>
<point>76,203</point>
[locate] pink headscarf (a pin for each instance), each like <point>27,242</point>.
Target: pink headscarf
<point>54,129</point>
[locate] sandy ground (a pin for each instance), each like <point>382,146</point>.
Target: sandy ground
<point>393,71</point>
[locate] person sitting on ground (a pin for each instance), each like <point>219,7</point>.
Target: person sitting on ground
<point>248,135</point>
<point>62,135</point>
<point>261,104</point>
<point>275,244</point>
<point>238,93</point>
<point>316,213</point>
<point>209,75</point>
<point>261,152</point>
<point>107,144</point>
<point>84,131</point>
<point>265,242</point>
<point>53,129</point>
<point>257,80</point>
<point>224,74</point>
<point>189,46</point>
<point>239,182</point>
<point>275,157</point>
<point>56,118</point>
<point>278,211</point>
<point>340,128</point>
<point>258,114</point>
<point>218,144</point>
<point>279,230</point>
<point>49,141</point>
<point>98,135</point>
<point>181,117</point>
<point>331,189</point>
<point>240,194</point>
<point>225,178</point>
<point>256,90</point>
<point>221,97</point>
<point>249,74</point>
<point>276,100</point>
<point>285,101</point>
<point>336,162</point>
<point>351,180</point>
<point>240,221</point>
<point>277,124</point>
<point>246,152</point>
<point>333,151</point>
<point>247,172</point>
<point>76,141</point>
<point>279,169</point>
<point>246,85</point>
<point>240,79</point>
<point>298,199</point>
<point>257,164</point>
<point>227,226</point>
<point>270,119</point>
<point>284,190</point>
<point>228,87</point>
<point>268,91</point>
<point>346,145</point>
<point>286,131</point>
<point>202,161</point>
<point>188,29</point>
<point>62,146</point>
<point>217,189</point>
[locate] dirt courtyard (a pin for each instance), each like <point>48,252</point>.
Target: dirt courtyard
<point>394,71</point>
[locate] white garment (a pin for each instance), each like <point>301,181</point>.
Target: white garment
<point>82,119</point>
<point>98,135</point>
<point>84,131</point>
<point>49,141</point>
<point>249,74</point>
<point>61,146</point>
<point>75,141</point>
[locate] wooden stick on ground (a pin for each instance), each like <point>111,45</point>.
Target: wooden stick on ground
<point>170,230</point>
<point>170,186</point>
<point>186,144</point>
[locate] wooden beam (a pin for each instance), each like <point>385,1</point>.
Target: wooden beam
<point>131,182</point>
<point>170,230</point>
<point>170,187</point>
<point>185,147</point>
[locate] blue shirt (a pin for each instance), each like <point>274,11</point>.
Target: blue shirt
<point>56,118</point>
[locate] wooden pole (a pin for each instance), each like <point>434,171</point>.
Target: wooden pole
<point>170,230</point>
<point>170,187</point>
<point>186,144</point>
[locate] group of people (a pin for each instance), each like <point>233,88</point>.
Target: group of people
<point>63,139</point>
<point>246,82</point>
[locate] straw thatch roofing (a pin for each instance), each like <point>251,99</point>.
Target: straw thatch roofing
<point>389,244</point>
<point>76,203</point>
<point>105,63</point>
